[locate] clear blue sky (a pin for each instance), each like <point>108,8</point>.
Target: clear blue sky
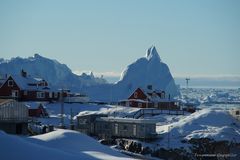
<point>192,37</point>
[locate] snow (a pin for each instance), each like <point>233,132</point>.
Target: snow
<point>210,96</point>
<point>148,70</point>
<point>59,144</point>
<point>211,123</point>
<point>55,73</point>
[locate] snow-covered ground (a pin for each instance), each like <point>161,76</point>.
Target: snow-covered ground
<point>211,96</point>
<point>211,123</point>
<point>59,144</point>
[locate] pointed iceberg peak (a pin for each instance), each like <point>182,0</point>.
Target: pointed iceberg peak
<point>37,55</point>
<point>152,53</point>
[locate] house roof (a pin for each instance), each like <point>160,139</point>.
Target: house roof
<point>24,83</point>
<point>155,95</point>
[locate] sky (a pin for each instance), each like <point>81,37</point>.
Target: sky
<point>195,38</point>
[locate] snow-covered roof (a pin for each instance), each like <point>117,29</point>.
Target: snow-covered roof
<point>29,83</point>
<point>155,95</point>
<point>127,120</point>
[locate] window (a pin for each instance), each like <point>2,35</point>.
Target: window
<point>116,128</point>
<point>125,127</point>
<point>163,94</point>
<point>10,83</point>
<point>25,93</point>
<point>134,129</point>
<point>14,93</point>
<point>237,112</point>
<point>135,95</point>
<point>50,94</point>
<point>139,105</point>
<point>56,95</point>
<point>40,95</point>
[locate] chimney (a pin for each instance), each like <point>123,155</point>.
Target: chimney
<point>149,87</point>
<point>24,73</point>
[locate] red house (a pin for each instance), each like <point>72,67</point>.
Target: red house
<point>149,98</point>
<point>40,111</point>
<point>23,87</point>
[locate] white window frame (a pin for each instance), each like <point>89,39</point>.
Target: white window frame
<point>40,94</point>
<point>9,83</point>
<point>140,105</point>
<point>15,93</point>
<point>135,95</point>
<point>116,128</point>
<point>50,94</point>
<point>134,130</point>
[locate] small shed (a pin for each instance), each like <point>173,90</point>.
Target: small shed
<point>13,116</point>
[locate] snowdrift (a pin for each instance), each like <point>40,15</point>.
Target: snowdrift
<point>60,145</point>
<point>215,124</point>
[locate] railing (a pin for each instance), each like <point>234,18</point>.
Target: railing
<point>154,112</point>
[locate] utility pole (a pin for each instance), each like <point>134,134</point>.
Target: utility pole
<point>168,136</point>
<point>71,120</point>
<point>62,109</point>
<point>187,82</point>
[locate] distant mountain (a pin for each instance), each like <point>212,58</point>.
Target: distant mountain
<point>57,74</point>
<point>148,70</point>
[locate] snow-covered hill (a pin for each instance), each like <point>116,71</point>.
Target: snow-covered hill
<point>213,123</point>
<point>51,70</point>
<point>60,145</point>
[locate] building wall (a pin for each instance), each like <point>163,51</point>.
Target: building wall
<point>14,127</point>
<point>124,129</point>
<point>107,129</point>
<point>32,96</point>
<point>13,111</point>
<point>168,105</point>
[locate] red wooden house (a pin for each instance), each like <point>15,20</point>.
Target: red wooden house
<point>149,98</point>
<point>23,87</point>
<point>40,111</point>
